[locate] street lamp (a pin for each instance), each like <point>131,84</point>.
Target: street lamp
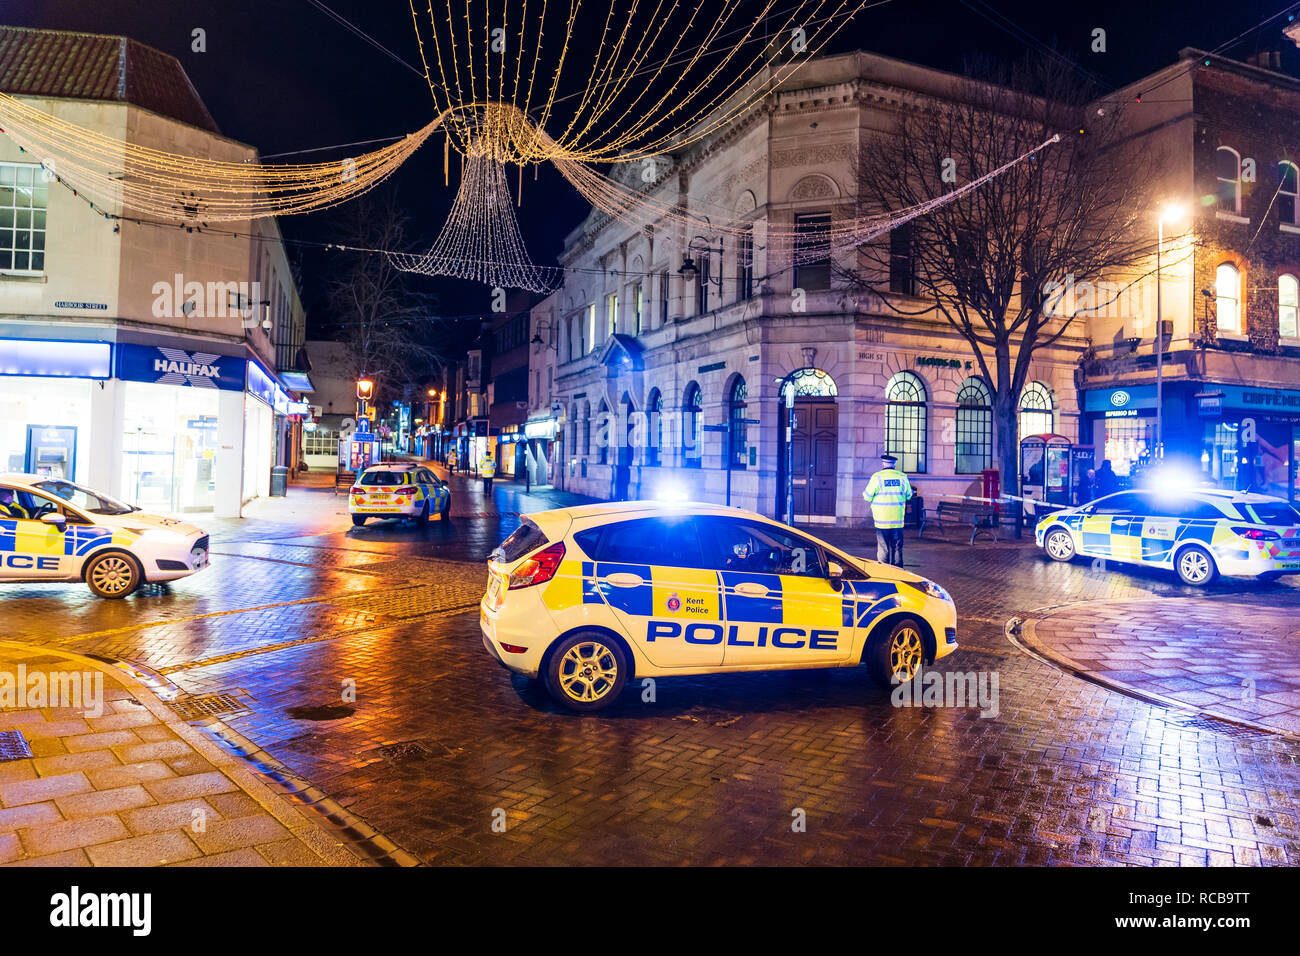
<point>689,271</point>
<point>1172,213</point>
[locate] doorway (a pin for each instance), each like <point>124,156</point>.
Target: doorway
<point>814,458</point>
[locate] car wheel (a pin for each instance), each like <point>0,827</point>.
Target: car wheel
<point>1059,545</point>
<point>1195,566</point>
<point>423,519</point>
<point>113,574</point>
<point>359,520</point>
<point>586,672</point>
<point>445,513</point>
<point>896,653</point>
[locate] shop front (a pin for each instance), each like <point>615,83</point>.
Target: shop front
<point>1121,423</point>
<point>540,435</point>
<point>1249,437</point>
<point>511,451</point>
<point>171,409</point>
<point>266,407</point>
<point>46,391</point>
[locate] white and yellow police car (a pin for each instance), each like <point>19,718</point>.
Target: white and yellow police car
<point>1197,533</point>
<point>398,490</point>
<point>588,598</point>
<point>52,529</point>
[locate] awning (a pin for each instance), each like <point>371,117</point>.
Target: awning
<point>297,381</point>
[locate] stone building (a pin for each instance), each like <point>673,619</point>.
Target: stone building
<point>670,380</point>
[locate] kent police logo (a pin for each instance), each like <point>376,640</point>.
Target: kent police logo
<point>674,602</point>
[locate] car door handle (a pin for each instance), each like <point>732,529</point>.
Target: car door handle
<point>750,589</point>
<point>624,579</point>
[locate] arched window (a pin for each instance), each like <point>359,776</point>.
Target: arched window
<point>1036,416</point>
<point>1227,297</point>
<point>905,421</point>
<point>736,409</point>
<point>692,408</point>
<point>974,427</point>
<point>603,436</point>
<point>654,409</point>
<point>1287,189</point>
<point>1227,169</point>
<point>1288,302</point>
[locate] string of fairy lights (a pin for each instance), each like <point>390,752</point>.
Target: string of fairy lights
<point>649,94</point>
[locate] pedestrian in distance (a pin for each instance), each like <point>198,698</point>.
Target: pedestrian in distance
<point>487,469</point>
<point>1106,481</point>
<point>1086,490</point>
<point>888,492</point>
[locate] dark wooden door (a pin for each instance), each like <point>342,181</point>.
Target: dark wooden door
<point>815,457</point>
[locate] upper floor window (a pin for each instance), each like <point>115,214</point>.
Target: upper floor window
<point>638,304</point>
<point>1227,291</point>
<point>591,328</point>
<point>745,266</point>
<point>1288,303</point>
<point>664,292</point>
<point>1227,169</point>
<point>902,261</point>
<point>611,314</point>
<point>23,196</point>
<point>812,251</point>
<point>1286,192</point>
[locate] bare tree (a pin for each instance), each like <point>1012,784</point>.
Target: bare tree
<point>986,261</point>
<point>392,330</point>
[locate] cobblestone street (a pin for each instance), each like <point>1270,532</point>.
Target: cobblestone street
<point>440,741</point>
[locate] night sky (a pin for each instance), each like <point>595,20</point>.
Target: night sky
<point>283,76</point>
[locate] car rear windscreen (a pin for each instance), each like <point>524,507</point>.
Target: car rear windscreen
<point>1268,512</point>
<point>527,537</point>
<point>385,478</point>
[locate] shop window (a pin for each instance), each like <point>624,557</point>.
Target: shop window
<point>1288,301</point>
<point>812,251</point>
<point>1127,443</point>
<point>1286,192</point>
<point>905,422</point>
<point>736,434</point>
<point>1227,169</point>
<point>1036,416</point>
<point>692,409</point>
<point>23,197</point>
<point>974,427</point>
<point>1227,290</point>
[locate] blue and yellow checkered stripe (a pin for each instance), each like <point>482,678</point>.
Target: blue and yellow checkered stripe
<point>42,540</point>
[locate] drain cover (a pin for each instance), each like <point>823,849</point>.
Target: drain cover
<point>405,750</point>
<point>13,746</point>
<point>206,705</point>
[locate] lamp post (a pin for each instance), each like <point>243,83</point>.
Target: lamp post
<point>1173,212</point>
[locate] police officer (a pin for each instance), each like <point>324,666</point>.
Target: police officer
<point>9,506</point>
<point>487,468</point>
<point>888,492</point>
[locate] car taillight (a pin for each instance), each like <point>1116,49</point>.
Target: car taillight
<point>1256,534</point>
<point>404,491</point>
<point>538,569</point>
<point>355,489</point>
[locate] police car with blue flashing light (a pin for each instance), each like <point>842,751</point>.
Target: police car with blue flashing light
<point>52,529</point>
<point>398,490</point>
<point>589,598</point>
<point>1197,533</point>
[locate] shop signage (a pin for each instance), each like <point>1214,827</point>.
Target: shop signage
<point>56,359</point>
<point>940,362</point>
<point>1127,399</point>
<point>261,384</point>
<point>96,306</point>
<point>544,429</point>
<point>1122,413</point>
<point>1119,398</point>
<point>164,365</point>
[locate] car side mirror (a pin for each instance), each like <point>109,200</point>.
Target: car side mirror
<point>55,519</point>
<point>835,572</point>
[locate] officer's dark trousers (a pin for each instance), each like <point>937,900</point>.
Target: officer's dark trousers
<point>889,546</point>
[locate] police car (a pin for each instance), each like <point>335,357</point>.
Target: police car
<point>398,490</point>
<point>52,529</point>
<point>589,598</point>
<point>1199,534</point>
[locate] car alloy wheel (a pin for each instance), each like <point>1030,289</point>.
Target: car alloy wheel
<point>905,649</point>
<point>588,672</point>
<point>1059,545</point>
<point>1196,567</point>
<point>112,576</point>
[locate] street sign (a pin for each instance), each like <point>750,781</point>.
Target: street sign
<point>715,428</point>
<point>749,421</point>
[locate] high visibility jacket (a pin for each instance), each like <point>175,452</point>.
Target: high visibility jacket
<point>487,466</point>
<point>888,492</point>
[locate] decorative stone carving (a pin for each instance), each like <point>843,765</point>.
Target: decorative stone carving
<point>812,155</point>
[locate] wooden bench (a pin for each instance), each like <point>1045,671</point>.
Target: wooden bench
<point>980,515</point>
